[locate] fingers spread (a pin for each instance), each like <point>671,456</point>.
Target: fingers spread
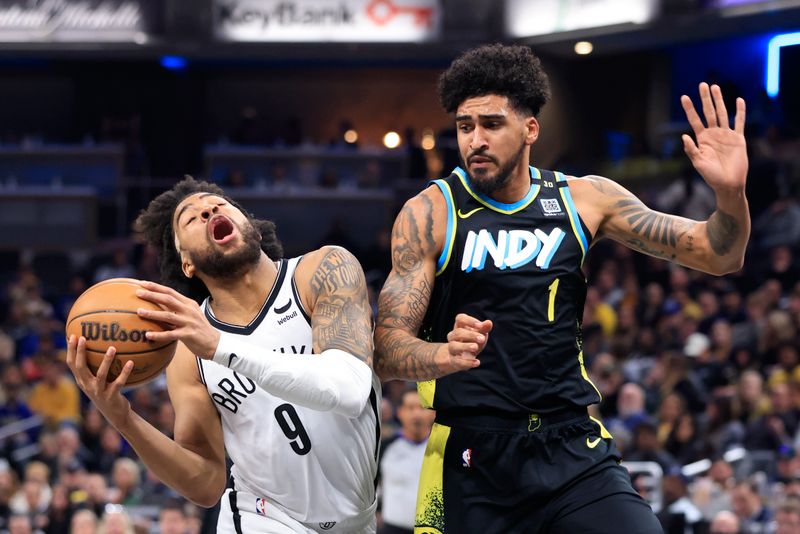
<point>122,379</point>
<point>691,115</point>
<point>689,147</point>
<point>708,105</point>
<point>740,113</point>
<point>105,365</point>
<point>719,104</point>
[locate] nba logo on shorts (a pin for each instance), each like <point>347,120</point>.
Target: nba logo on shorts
<point>466,457</point>
<point>261,506</point>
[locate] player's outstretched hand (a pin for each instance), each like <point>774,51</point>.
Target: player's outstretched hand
<point>718,151</point>
<point>183,316</point>
<point>105,395</point>
<point>464,342</point>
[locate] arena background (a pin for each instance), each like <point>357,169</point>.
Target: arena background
<point>322,116</point>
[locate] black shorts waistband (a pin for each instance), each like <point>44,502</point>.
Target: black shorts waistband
<point>532,422</point>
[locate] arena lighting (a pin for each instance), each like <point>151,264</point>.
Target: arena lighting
<point>174,62</point>
<point>774,60</point>
<point>428,139</point>
<point>350,136</point>
<point>391,140</point>
<point>583,48</point>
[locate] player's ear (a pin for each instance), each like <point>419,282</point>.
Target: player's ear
<point>532,130</point>
<point>187,266</point>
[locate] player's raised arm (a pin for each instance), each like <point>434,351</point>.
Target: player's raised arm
<point>417,239</point>
<point>719,154</point>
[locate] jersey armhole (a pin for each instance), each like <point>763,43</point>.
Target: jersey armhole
<point>449,238</point>
<point>296,293</point>
<point>579,228</point>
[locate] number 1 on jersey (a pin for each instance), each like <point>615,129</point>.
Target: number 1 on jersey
<point>551,304</point>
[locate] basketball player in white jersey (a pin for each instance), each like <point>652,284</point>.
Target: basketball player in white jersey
<point>273,366</point>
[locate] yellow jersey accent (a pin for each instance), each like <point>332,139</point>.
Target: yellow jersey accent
<point>462,215</point>
<point>605,434</point>
<point>451,237</point>
<point>430,498</point>
<point>585,375</point>
<point>426,390</point>
<point>535,187</point>
<point>593,443</point>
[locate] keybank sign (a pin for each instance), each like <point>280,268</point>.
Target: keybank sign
<point>71,20</point>
<point>327,20</point>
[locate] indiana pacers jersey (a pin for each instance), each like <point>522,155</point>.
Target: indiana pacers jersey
<point>520,266</point>
<point>317,467</point>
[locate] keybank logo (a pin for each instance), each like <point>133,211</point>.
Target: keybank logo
<point>512,248</point>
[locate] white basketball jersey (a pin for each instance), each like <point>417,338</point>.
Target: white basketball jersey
<point>319,467</point>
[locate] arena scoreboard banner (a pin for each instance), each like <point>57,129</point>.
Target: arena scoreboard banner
<point>313,21</point>
<point>527,18</point>
<point>78,20</point>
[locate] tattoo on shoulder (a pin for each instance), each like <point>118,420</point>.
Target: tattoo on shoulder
<point>342,317</point>
<point>723,231</point>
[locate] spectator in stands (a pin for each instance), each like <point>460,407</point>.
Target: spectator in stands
<point>96,494</point>
<point>92,425</point>
<point>14,408</point>
<point>647,448</point>
<point>673,406</point>
<point>56,397</point>
<point>401,463</point>
<point>172,518</point>
<point>119,267</point>
<point>60,513</point>
<point>753,403</point>
<point>747,505</point>
<point>778,226</point>
<point>112,447</point>
<point>787,517</point>
<point>725,522</point>
<point>606,374</point>
<point>115,520</point>
<point>630,408</point>
<point>683,442</point>
<point>711,493</point>
<point>678,508</point>
<point>20,524</point>
<point>126,477</point>
<point>83,522</point>
<point>723,430</point>
<point>778,426</point>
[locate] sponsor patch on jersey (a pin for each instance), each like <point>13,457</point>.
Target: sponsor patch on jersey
<point>550,206</point>
<point>261,506</point>
<point>466,458</point>
<point>327,525</point>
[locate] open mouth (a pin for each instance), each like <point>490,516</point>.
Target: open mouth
<point>478,160</point>
<point>221,229</point>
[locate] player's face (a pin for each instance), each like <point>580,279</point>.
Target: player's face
<point>215,238</point>
<point>492,140</point>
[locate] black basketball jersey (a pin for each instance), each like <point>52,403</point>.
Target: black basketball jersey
<point>520,266</point>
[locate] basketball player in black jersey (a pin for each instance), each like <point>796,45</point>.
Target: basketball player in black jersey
<point>485,298</point>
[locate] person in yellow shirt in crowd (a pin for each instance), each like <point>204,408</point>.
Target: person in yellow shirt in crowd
<point>55,398</point>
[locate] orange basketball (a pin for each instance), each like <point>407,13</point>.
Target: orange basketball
<point>105,314</point>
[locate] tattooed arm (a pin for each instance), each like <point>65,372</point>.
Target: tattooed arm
<point>417,240</point>
<point>719,154</point>
<point>341,317</point>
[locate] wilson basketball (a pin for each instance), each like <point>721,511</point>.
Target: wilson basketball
<point>105,314</point>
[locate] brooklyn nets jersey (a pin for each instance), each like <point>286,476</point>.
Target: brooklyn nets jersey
<point>520,266</point>
<point>319,467</point>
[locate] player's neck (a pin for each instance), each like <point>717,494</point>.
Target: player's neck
<point>517,186</point>
<point>239,301</point>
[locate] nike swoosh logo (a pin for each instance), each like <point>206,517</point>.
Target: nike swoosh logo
<point>463,215</point>
<point>592,444</point>
<point>230,358</point>
<point>283,308</point>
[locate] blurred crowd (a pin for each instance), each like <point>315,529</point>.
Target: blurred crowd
<point>700,378</point>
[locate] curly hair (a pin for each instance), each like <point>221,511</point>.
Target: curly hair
<point>510,71</point>
<point>154,223</point>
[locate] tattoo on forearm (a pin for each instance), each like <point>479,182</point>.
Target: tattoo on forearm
<point>723,231</point>
<point>404,298</point>
<point>641,246</point>
<point>650,225</point>
<point>342,318</point>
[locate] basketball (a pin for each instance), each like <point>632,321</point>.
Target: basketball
<point>105,314</point>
